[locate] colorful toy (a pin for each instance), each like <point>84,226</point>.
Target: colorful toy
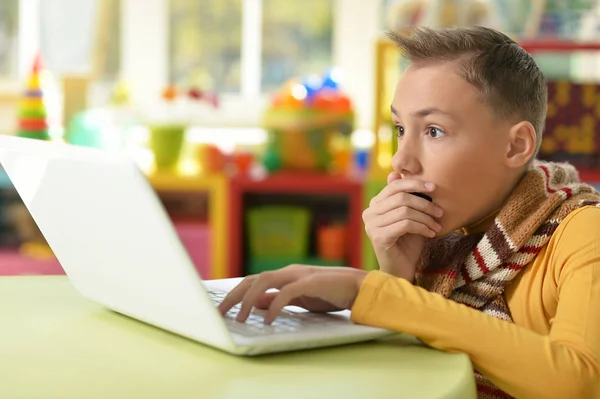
<point>196,94</point>
<point>332,242</point>
<point>332,79</point>
<point>211,158</point>
<point>166,141</point>
<point>271,159</point>
<point>303,119</point>
<point>243,162</point>
<point>167,133</point>
<point>342,161</point>
<point>120,94</point>
<point>33,121</point>
<point>170,93</point>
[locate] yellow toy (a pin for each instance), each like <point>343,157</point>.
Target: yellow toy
<point>120,94</point>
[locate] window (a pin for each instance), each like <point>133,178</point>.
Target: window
<point>9,32</point>
<point>297,40</point>
<point>218,44</point>
<point>108,45</point>
<point>81,37</point>
<point>205,43</point>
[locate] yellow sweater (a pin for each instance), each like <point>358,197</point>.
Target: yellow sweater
<point>553,348</point>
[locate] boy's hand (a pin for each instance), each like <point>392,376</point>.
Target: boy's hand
<point>317,289</point>
<point>398,223</point>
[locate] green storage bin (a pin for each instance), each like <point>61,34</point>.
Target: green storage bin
<point>278,231</point>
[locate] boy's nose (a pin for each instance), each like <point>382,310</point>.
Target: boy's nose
<point>406,160</point>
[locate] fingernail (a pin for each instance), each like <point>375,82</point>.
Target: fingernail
<point>438,211</point>
<point>429,186</point>
<point>438,227</point>
<point>431,233</point>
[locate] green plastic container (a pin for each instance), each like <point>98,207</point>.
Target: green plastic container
<point>277,231</point>
<point>166,141</point>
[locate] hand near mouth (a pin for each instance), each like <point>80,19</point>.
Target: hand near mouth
<point>398,221</point>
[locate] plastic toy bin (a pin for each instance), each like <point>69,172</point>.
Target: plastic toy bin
<point>277,235</point>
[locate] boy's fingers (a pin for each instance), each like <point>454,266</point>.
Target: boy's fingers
<point>398,200</point>
<point>393,176</point>
<point>264,281</point>
<point>393,231</point>
<point>399,186</point>
<point>235,295</point>
<point>265,301</point>
<point>386,237</point>
<point>286,296</point>
<point>405,213</point>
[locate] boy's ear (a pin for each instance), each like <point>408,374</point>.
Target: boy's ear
<point>521,144</point>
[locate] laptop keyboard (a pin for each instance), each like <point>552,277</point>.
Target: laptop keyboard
<point>286,322</point>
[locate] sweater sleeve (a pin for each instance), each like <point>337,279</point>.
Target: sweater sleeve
<point>523,363</point>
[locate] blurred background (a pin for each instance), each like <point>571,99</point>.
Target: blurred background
<point>263,125</point>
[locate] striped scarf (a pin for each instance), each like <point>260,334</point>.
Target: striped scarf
<point>475,269</point>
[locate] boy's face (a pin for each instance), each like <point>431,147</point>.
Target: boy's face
<point>448,136</point>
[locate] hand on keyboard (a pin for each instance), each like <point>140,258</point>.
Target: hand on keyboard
<point>317,289</point>
<point>286,322</point>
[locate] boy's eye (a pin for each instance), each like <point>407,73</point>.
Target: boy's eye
<point>399,131</point>
<point>435,133</point>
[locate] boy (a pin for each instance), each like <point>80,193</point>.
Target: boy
<point>504,262</point>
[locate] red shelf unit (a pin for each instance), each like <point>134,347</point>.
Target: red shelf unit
<point>294,183</point>
<point>558,45</point>
<point>589,176</point>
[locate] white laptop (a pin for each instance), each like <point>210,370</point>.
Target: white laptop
<point>118,247</point>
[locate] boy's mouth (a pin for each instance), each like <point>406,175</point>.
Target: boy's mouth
<point>424,196</point>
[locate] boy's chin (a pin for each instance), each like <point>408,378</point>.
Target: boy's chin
<point>446,229</point>
<point>443,233</point>
<point>440,233</point>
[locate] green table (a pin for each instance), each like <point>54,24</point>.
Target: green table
<point>56,344</point>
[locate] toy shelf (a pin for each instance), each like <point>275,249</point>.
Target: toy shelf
<point>591,176</point>
<point>558,45</point>
<point>325,195</point>
<point>213,188</point>
<point>201,233</point>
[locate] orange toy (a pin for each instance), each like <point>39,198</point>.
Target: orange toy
<point>213,159</point>
<point>243,161</point>
<point>170,93</point>
<point>332,242</point>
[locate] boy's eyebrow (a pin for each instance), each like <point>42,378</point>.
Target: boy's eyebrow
<point>425,112</point>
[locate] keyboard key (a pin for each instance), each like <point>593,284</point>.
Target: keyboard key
<point>286,322</point>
